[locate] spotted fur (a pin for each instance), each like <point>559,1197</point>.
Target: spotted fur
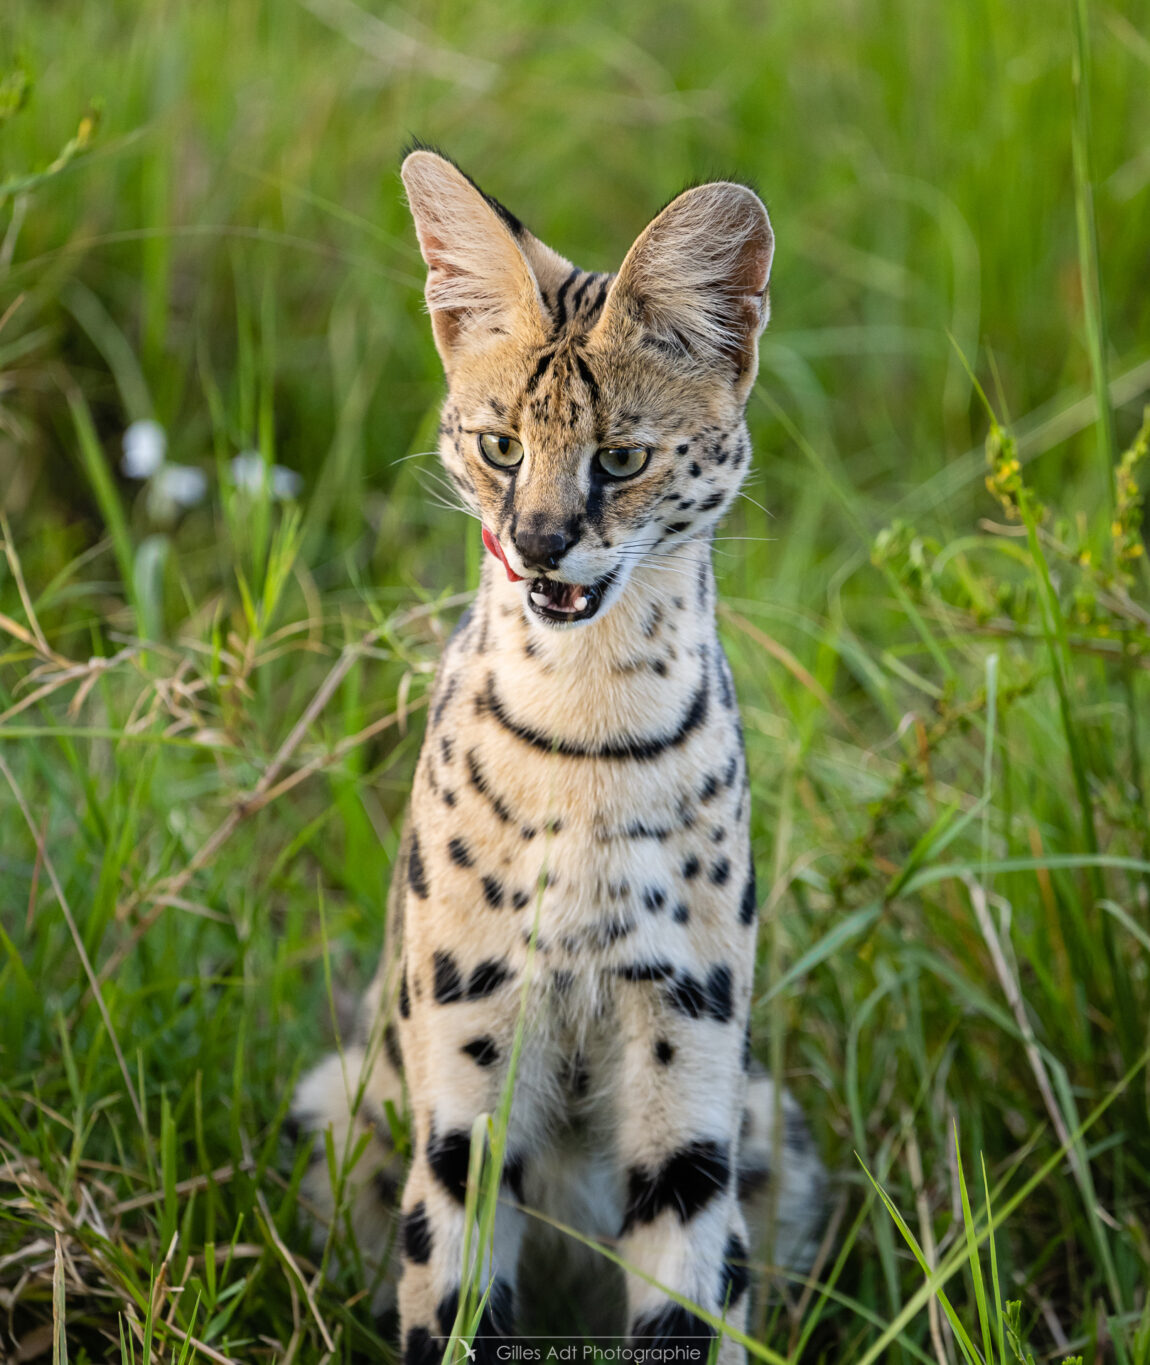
<point>582,781</point>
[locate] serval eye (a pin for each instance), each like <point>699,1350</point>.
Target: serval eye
<point>621,462</point>
<point>504,452</point>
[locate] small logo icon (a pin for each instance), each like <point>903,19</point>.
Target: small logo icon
<point>470,1351</point>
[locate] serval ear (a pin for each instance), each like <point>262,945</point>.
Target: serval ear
<point>695,282</point>
<point>480,286</point>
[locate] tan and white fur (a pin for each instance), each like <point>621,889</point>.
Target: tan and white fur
<point>582,779</point>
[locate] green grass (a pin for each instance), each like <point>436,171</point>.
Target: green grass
<point>208,721</point>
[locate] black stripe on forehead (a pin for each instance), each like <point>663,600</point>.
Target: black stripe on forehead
<point>560,301</point>
<point>541,368</point>
<point>588,378</point>
<point>577,297</point>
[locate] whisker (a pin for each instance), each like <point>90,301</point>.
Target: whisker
<point>415,455</point>
<point>765,510</point>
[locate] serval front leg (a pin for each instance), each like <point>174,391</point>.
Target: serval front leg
<point>458,1017</point>
<point>679,1101</point>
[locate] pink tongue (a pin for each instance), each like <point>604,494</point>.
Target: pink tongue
<point>497,550</point>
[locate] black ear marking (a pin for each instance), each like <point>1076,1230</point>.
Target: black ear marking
<point>509,220</point>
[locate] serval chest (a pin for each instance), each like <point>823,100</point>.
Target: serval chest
<point>591,802</point>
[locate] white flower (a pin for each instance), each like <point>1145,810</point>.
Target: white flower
<point>176,486</point>
<point>286,483</point>
<point>145,444</point>
<point>248,471</point>
<point>248,476</point>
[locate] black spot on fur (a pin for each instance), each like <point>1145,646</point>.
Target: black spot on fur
<point>731,771</point>
<point>483,1051</point>
<point>416,876</point>
<point>664,1052</point>
<point>747,1046</point>
<point>681,914</point>
<point>612,930</point>
<point>676,526</point>
<point>520,899</point>
<point>487,978</point>
<point>686,1182</point>
<point>447,748</point>
<point>735,1277</point>
<point>513,1169</point>
<point>404,997</point>
<point>690,868</point>
<point>448,983</point>
<point>562,981</point>
<point>392,1048</point>
<point>445,1312</point>
<point>420,1349</point>
<point>460,853</point>
<point>654,898</point>
<point>493,892</point>
<point>448,691</point>
<point>386,1188</point>
<point>687,995</point>
<point>796,1134</point>
<point>638,830</point>
<point>645,971</point>
<point>710,502</point>
<point>694,469</point>
<point>478,779</point>
<point>710,787</point>
<point>752,1179</point>
<point>749,905</point>
<point>726,690</point>
<point>720,872</point>
<point>448,1157</point>
<point>417,1239</point>
<point>675,1326</point>
<point>682,449</point>
<point>719,1002</point>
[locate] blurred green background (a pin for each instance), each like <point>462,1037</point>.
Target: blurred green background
<point>945,691</point>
